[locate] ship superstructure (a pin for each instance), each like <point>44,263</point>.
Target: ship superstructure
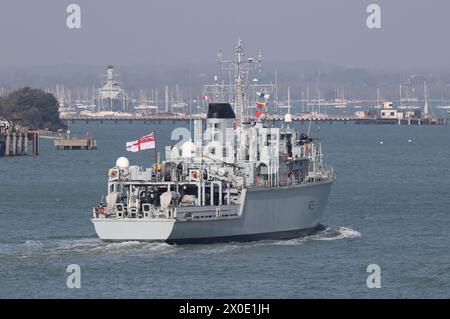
<point>234,179</point>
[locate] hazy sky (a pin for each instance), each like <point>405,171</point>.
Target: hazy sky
<point>414,33</point>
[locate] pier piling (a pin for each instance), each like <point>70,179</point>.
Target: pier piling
<point>35,143</point>
<point>16,143</point>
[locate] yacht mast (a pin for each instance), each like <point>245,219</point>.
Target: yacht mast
<point>425,107</point>
<point>378,98</point>
<point>289,99</point>
<point>167,98</point>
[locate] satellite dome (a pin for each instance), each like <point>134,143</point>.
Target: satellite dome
<point>222,171</point>
<point>122,162</point>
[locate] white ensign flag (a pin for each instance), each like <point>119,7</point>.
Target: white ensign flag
<point>144,143</point>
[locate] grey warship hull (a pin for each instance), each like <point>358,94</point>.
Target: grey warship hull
<point>232,179</point>
<point>273,213</point>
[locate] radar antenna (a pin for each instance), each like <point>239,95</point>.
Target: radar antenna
<point>241,68</point>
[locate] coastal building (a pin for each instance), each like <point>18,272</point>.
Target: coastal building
<point>111,97</point>
<point>388,114</point>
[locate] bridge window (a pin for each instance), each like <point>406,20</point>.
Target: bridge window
<point>271,139</point>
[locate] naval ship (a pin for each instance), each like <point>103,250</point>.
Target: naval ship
<point>240,178</point>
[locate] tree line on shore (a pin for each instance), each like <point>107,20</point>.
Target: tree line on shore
<point>33,108</point>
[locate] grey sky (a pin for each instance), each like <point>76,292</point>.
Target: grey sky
<point>414,33</point>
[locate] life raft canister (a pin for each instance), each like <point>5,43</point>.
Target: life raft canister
<point>113,174</point>
<point>194,174</point>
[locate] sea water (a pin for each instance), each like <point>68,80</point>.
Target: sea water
<point>389,206</point>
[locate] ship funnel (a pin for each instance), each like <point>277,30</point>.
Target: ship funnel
<point>220,111</point>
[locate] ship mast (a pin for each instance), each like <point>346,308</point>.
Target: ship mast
<point>241,69</point>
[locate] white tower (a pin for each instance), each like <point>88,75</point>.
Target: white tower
<point>110,74</point>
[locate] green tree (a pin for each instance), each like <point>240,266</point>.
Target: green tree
<point>37,109</point>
